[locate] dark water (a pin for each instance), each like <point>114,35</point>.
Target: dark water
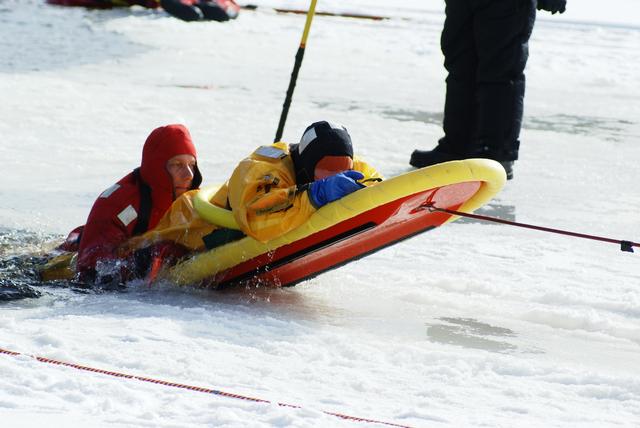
<point>471,333</point>
<point>21,252</point>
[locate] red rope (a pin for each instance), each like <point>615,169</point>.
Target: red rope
<point>191,388</point>
<point>624,245</point>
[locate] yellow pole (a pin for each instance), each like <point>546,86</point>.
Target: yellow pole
<point>307,25</point>
<point>296,69</point>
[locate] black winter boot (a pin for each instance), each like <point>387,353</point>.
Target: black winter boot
<point>508,168</point>
<point>186,12</point>
<point>212,11</point>
<point>422,158</point>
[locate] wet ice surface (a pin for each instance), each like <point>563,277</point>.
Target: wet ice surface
<point>470,333</point>
<point>472,324</point>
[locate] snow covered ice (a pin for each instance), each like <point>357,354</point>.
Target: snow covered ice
<point>469,325</point>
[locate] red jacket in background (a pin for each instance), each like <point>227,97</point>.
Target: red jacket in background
<point>116,212</point>
<point>106,4</point>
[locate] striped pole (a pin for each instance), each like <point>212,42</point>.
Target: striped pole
<point>296,69</point>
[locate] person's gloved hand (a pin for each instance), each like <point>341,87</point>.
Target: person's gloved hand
<point>329,189</point>
<point>552,6</point>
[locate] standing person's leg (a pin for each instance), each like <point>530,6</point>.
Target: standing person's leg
<point>460,60</point>
<point>502,31</point>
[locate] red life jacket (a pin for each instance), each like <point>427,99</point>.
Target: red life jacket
<point>117,213</point>
<point>106,4</point>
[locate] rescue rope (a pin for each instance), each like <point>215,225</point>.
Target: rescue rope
<point>190,387</point>
<point>624,245</point>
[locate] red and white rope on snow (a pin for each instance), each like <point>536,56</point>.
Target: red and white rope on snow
<point>189,387</point>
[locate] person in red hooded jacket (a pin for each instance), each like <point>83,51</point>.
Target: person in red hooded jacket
<point>135,204</point>
<point>187,10</point>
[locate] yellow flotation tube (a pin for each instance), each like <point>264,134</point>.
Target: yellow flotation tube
<point>212,213</point>
<point>489,173</point>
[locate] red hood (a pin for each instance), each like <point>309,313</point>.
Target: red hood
<point>162,144</point>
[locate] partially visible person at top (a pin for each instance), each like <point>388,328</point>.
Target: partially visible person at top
<point>273,190</point>
<point>485,47</point>
<point>135,204</point>
<point>187,10</point>
<point>197,10</point>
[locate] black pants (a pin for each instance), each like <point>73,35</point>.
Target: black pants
<point>195,11</point>
<point>485,45</point>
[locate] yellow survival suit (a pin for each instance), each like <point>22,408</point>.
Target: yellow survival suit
<point>262,193</point>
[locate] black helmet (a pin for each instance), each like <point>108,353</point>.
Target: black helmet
<point>320,139</point>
